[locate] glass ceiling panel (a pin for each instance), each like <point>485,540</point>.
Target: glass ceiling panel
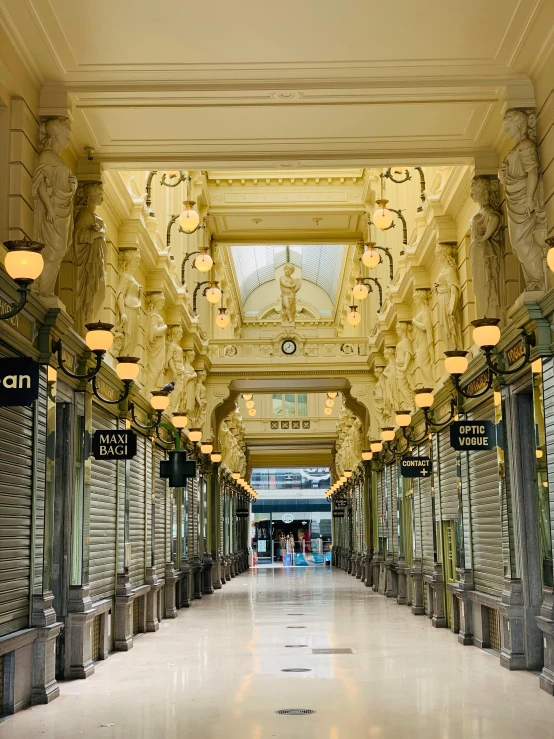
<point>320,264</point>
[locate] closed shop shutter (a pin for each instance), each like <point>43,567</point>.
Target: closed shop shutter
<point>137,511</point>
<point>160,491</point>
<point>486,519</point>
<point>548,395</point>
<point>426,516</point>
<point>447,482</point>
<point>192,487</point>
<point>381,507</point>
<point>103,509</point>
<point>16,491</point>
<point>392,508</point>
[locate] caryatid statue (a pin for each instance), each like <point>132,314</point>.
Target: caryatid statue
<point>449,294</point>
<point>200,401</point>
<point>129,298</point>
<point>289,288</point>
<point>486,248</point>
<point>155,340</point>
<point>89,255</point>
<point>404,366</point>
<point>423,339</point>
<point>175,366</point>
<point>521,176</point>
<point>53,188</point>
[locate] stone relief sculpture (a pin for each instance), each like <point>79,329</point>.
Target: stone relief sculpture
<point>128,298</point>
<point>89,255</point>
<point>379,396</point>
<point>449,297</point>
<point>391,394</point>
<point>404,366</point>
<point>520,174</point>
<point>201,401</point>
<point>155,340</point>
<point>53,188</point>
<point>486,248</point>
<point>175,366</point>
<point>289,288</point>
<point>423,340</point>
<point>190,376</point>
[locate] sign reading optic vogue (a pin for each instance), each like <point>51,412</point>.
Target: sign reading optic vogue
<point>18,381</point>
<point>114,445</point>
<point>472,435</point>
<point>416,466</point>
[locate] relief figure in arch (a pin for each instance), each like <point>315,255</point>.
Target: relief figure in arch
<point>520,174</point>
<point>155,340</point>
<point>175,366</point>
<point>190,384</point>
<point>128,298</point>
<point>423,340</point>
<point>449,297</point>
<point>404,365</point>
<point>289,288</point>
<point>89,255</point>
<point>486,248</point>
<point>53,188</point>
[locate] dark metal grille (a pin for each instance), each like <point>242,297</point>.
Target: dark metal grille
<point>296,627</point>
<point>295,646</point>
<point>136,615</point>
<point>96,638</point>
<point>494,629</point>
<point>332,651</point>
<point>296,669</point>
<point>294,711</point>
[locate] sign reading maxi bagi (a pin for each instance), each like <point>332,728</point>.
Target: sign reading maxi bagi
<point>416,466</point>
<point>472,435</point>
<point>18,381</point>
<point>114,445</point>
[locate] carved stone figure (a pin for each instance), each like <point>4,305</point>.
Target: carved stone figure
<point>404,366</point>
<point>520,174</point>
<point>201,401</point>
<point>155,340</point>
<point>89,255</point>
<point>379,392</point>
<point>128,297</point>
<point>357,444</point>
<point>175,367</point>
<point>391,394</point>
<point>423,340</point>
<point>53,188</point>
<point>486,248</point>
<point>190,378</point>
<point>449,297</point>
<point>289,288</point>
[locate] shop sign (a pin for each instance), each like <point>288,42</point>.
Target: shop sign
<point>472,435</point>
<point>515,352</point>
<point>113,445</point>
<point>243,513</point>
<point>416,466</point>
<point>18,381</point>
<point>339,513</point>
<point>177,469</point>
<point>340,502</point>
<point>287,518</point>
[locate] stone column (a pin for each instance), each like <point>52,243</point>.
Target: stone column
<point>44,685</point>
<point>152,617</point>
<point>402,575</point>
<point>123,629</point>
<point>78,646</point>
<point>376,566</point>
<point>170,581</point>
<point>390,589</point>
<point>545,623</point>
<point>437,585</point>
<point>417,588</point>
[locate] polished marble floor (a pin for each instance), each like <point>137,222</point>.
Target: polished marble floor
<point>216,672</point>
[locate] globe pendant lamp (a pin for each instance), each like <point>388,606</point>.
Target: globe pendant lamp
<point>99,337</point>
<point>180,420</point>
<point>127,368</point>
<point>203,262</point>
<point>327,411</point>
<point>486,333</point>
<point>370,257</point>
<point>353,317</point>
<point>213,293</point>
<point>424,398</point>
<point>403,418</point>
<point>252,412</point>
<point>382,217</point>
<point>24,261</point>
<point>360,291</point>
<point>456,362</point>
<point>222,320</point>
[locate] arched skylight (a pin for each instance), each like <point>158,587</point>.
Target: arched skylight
<point>320,264</point>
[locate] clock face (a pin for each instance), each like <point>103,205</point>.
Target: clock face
<point>288,347</point>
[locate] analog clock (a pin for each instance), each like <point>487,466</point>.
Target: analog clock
<point>288,347</point>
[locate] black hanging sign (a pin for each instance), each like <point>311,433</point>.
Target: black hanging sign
<point>243,513</point>
<point>177,469</point>
<point>472,435</point>
<point>18,381</point>
<point>339,513</point>
<point>340,502</point>
<point>416,466</point>
<point>114,445</point>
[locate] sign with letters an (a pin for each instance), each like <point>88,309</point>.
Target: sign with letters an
<point>18,381</point>
<point>113,445</point>
<point>472,435</point>
<point>416,466</point>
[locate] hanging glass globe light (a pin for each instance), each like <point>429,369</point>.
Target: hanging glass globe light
<point>213,293</point>
<point>327,411</point>
<point>353,317</point>
<point>222,320</point>
<point>550,256</point>
<point>329,402</point>
<point>252,412</point>
<point>360,291</point>
<point>382,216</point>
<point>370,257</point>
<point>456,362</point>
<point>189,220</point>
<point>486,332</point>
<point>249,403</point>
<point>203,261</point>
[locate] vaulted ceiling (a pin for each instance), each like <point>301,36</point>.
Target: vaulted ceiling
<point>287,84</point>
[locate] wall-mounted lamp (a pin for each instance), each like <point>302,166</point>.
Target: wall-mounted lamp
<point>127,370</point>
<point>363,287</point>
<point>159,402</point>
<point>406,176</point>
<point>24,264</point>
<point>99,339</point>
<point>213,293</point>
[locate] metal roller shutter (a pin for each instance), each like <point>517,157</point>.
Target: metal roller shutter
<point>381,506</point>
<point>160,491</point>
<point>392,508</point>
<point>447,480</point>
<point>192,533</point>
<point>38,515</point>
<point>103,515</point>
<point>426,516</point>
<point>16,492</point>
<point>486,519</point>
<point>137,513</point>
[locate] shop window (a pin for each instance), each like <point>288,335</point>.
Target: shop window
<point>289,405</point>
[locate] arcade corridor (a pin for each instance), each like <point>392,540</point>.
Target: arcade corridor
<point>216,672</point>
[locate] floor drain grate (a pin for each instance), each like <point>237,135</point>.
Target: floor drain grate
<point>296,669</point>
<point>294,711</point>
<point>332,651</point>
<point>296,646</point>
<point>296,627</point>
